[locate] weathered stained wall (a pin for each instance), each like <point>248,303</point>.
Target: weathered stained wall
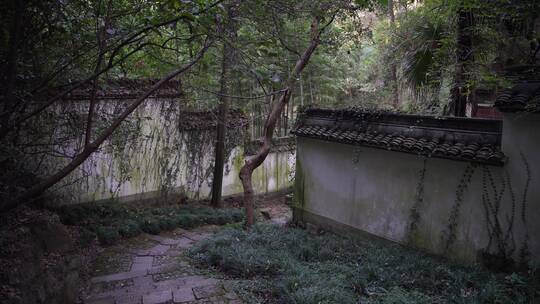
<point>377,191</point>
<point>164,154</point>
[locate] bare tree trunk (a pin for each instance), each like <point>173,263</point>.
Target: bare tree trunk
<point>101,34</point>
<point>260,108</point>
<point>32,193</point>
<point>227,62</point>
<point>291,107</point>
<point>301,91</point>
<point>393,69</point>
<point>253,162</point>
<point>286,119</point>
<point>391,15</point>
<point>252,114</point>
<point>311,90</point>
<point>11,68</point>
<point>459,94</point>
<point>279,125</point>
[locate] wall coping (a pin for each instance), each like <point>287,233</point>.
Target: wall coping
<point>464,139</point>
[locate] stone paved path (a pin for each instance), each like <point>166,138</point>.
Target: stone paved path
<point>159,275</point>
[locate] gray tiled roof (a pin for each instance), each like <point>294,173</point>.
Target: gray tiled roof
<point>203,120</point>
<point>124,88</point>
<point>406,133</point>
<point>523,97</point>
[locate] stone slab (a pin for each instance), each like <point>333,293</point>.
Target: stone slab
<point>158,297</point>
<point>156,250</point>
<point>128,299</point>
<point>171,284</point>
<point>184,243</point>
<point>145,283</point>
<point>231,296</point>
<point>197,281</point>
<point>182,295</point>
<point>159,250</point>
<point>165,268</point>
<point>147,289</point>
<point>174,252</point>
<point>118,276</point>
<point>162,240</point>
<point>142,263</point>
<point>104,300</point>
<point>208,291</point>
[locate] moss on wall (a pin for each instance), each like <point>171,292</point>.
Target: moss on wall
<point>298,199</point>
<point>377,194</point>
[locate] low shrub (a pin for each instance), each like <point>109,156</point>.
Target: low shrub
<point>397,295</point>
<point>81,214</point>
<point>104,219</point>
<point>107,235</point>
<point>235,225</point>
<point>186,221</point>
<point>150,224</point>
<point>167,223</point>
<point>129,228</point>
<point>86,237</point>
<point>298,267</point>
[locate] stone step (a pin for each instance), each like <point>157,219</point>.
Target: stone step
<point>183,295</point>
<point>162,240</point>
<point>119,276</point>
<point>156,250</point>
<point>142,263</point>
<point>103,300</point>
<point>197,236</point>
<point>158,297</point>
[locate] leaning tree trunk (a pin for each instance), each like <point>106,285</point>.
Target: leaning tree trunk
<point>227,62</point>
<point>36,190</point>
<point>255,161</point>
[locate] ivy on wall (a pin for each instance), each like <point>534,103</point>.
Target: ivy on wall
<point>501,246</point>
<point>524,250</point>
<point>414,215</point>
<point>152,152</point>
<point>450,234</point>
<point>501,240</point>
<point>498,194</point>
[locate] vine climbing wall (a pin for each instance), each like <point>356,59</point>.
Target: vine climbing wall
<point>163,151</point>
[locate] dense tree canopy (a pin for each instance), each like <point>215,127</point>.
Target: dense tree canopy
<point>416,56</point>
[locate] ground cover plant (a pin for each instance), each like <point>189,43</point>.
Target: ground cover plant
<point>290,265</point>
<point>112,221</point>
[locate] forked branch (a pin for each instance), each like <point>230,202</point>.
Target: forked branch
<point>255,161</point>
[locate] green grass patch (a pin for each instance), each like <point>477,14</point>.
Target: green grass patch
<point>110,222</point>
<point>293,266</point>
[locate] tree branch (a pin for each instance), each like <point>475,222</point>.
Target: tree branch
<point>134,37</point>
<point>255,161</point>
<point>243,97</point>
<point>32,193</point>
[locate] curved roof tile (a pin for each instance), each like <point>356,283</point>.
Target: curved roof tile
<point>405,133</point>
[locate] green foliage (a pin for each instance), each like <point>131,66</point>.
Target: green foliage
<point>86,237</point>
<point>108,235</point>
<point>150,224</point>
<point>422,45</point>
<point>293,266</point>
<point>397,295</point>
<point>129,228</point>
<point>112,221</point>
